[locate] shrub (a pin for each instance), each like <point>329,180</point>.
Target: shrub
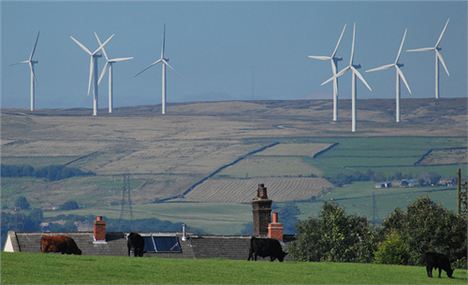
<point>393,250</point>
<point>22,203</point>
<point>70,205</point>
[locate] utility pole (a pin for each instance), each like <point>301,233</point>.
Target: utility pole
<point>462,195</point>
<point>126,200</point>
<point>374,210</point>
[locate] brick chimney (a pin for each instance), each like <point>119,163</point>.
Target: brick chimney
<point>275,229</point>
<point>99,230</point>
<point>261,209</point>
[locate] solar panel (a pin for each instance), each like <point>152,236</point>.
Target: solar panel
<point>162,244</point>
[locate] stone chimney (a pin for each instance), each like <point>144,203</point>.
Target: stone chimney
<point>261,209</point>
<point>99,230</point>
<point>275,229</point>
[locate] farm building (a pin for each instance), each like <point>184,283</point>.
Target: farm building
<point>166,244</point>
<point>384,184</point>
<point>409,183</point>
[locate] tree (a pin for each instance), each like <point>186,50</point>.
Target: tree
<point>334,236</point>
<point>22,203</point>
<point>393,250</point>
<point>427,226</point>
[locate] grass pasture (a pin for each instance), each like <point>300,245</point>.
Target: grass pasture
<point>23,268</point>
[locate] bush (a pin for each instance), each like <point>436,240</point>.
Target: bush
<point>22,203</point>
<point>393,250</point>
<point>51,172</point>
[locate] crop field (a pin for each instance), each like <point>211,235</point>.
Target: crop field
<point>294,149</point>
<point>34,268</point>
<point>356,198</point>
<point>243,190</point>
<point>446,156</point>
<point>38,161</point>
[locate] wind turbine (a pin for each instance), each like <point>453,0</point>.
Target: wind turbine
<point>438,58</point>
<point>109,66</point>
<point>164,62</point>
<point>31,62</point>
<point>399,75</point>
<point>354,72</point>
<point>93,70</point>
<point>334,65</point>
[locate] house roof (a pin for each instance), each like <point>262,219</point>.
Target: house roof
<point>196,246</point>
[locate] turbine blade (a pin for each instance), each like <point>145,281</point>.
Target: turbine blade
<point>420,49</point>
<point>103,72</point>
<point>352,45</point>
<point>339,40</point>
<point>35,45</point>
<point>148,67</point>
<point>102,46</point>
<point>21,62</point>
<point>163,42</point>
<point>439,55</point>
<point>31,66</point>
<point>120,59</point>
<point>402,76</point>
<point>358,74</point>
<point>100,43</point>
<point>401,46</point>
<point>319,57</point>
<point>442,33</point>
<point>81,46</point>
<point>337,75</point>
<point>167,63</point>
<point>91,69</point>
<point>383,67</point>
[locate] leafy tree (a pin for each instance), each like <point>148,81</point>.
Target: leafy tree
<point>22,203</point>
<point>393,250</point>
<point>427,226</point>
<point>334,236</point>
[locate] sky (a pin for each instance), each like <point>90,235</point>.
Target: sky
<point>226,50</point>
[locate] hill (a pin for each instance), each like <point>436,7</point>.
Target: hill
<point>21,268</point>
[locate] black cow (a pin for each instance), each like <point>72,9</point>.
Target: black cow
<point>437,261</point>
<point>136,243</point>
<point>264,247</point>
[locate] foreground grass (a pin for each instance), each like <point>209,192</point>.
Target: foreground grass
<point>24,268</point>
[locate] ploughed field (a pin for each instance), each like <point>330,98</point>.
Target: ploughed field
<point>36,268</point>
<point>201,157</point>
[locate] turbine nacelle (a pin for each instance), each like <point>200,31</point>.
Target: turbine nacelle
<point>357,66</point>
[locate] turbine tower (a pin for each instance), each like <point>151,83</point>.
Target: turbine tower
<point>164,62</point>
<point>334,66</point>
<point>31,62</point>
<point>109,66</point>
<point>354,73</point>
<point>399,75</point>
<point>93,70</point>
<point>438,58</point>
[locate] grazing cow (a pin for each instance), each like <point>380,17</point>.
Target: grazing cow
<point>62,244</point>
<point>437,261</point>
<point>264,247</point>
<point>136,243</point>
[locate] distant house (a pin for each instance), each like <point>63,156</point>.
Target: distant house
<point>448,182</point>
<point>166,244</point>
<point>407,183</point>
<point>384,184</point>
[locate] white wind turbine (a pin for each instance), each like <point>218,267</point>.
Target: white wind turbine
<point>334,65</point>
<point>354,72</point>
<point>438,58</point>
<point>164,62</point>
<point>399,75</point>
<point>109,66</point>
<point>31,62</point>
<point>93,70</point>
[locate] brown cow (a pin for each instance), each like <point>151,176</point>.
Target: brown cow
<point>62,244</point>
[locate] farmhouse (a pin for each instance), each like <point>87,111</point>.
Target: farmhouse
<point>384,184</point>
<point>166,244</point>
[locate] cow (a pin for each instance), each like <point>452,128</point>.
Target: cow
<point>136,243</point>
<point>62,244</point>
<point>264,247</point>
<point>437,261</point>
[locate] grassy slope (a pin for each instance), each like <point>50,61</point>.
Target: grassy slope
<point>22,268</point>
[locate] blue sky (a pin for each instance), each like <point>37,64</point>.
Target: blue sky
<point>216,47</point>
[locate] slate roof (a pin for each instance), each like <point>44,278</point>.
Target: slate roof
<point>207,246</point>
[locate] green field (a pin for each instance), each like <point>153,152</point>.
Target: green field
<point>23,268</point>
